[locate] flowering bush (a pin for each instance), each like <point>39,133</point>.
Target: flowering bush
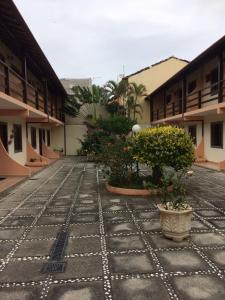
<point>163,147</point>
<point>117,160</point>
<point>94,142</point>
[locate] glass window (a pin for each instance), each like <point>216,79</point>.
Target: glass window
<point>168,99</point>
<point>17,138</point>
<point>192,86</point>
<point>214,81</point>
<point>34,137</point>
<point>43,134</point>
<point>193,133</point>
<point>217,135</point>
<point>48,138</point>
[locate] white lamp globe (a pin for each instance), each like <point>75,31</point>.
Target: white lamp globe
<point>136,128</point>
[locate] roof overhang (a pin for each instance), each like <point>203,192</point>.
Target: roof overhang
<point>11,107</point>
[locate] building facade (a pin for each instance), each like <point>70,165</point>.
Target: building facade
<point>31,98</point>
<point>195,99</point>
<point>152,77</point>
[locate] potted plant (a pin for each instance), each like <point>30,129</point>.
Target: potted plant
<point>175,212</point>
<point>163,148</point>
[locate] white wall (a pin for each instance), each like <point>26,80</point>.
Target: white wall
<point>214,154</point>
<point>57,138</point>
<point>73,134</point>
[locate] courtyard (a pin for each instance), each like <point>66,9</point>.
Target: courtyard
<point>63,237</point>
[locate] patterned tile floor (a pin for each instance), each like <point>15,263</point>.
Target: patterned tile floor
<point>107,246</point>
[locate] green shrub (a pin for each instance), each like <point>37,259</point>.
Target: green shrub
<point>117,124</point>
<point>94,142</point>
<point>117,161</point>
<point>163,147</point>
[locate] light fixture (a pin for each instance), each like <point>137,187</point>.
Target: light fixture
<point>136,128</point>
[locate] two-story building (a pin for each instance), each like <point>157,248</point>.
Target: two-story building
<point>194,98</point>
<point>31,98</point>
<point>152,77</point>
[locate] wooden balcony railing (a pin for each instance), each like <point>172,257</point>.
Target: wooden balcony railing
<point>212,94</point>
<point>13,84</point>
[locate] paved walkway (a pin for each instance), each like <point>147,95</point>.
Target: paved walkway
<point>63,237</point>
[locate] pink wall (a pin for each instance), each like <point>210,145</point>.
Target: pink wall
<point>32,154</point>
<point>9,167</point>
<point>49,153</point>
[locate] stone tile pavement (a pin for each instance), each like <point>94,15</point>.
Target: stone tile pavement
<point>63,237</point>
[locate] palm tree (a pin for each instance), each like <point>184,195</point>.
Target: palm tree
<point>84,100</point>
<point>132,107</point>
<point>72,107</point>
<point>136,91</point>
<point>116,90</point>
<point>115,95</point>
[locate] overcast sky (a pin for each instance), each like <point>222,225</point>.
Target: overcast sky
<point>95,38</point>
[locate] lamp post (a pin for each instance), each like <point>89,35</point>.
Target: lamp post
<point>135,129</point>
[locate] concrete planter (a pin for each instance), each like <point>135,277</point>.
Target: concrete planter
<point>175,224</point>
<point>133,192</point>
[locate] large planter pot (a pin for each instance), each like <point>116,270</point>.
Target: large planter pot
<point>175,224</point>
<point>133,192</point>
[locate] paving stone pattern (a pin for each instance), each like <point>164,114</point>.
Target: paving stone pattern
<point>111,246</point>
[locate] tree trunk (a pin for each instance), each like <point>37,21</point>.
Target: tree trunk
<point>156,175</point>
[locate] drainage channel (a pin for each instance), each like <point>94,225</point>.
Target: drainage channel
<point>56,263</point>
<point>19,242</point>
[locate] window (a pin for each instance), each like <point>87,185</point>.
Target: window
<point>168,99</point>
<point>157,114</point>
<point>214,81</point>
<point>17,138</point>
<point>4,134</point>
<point>192,86</point>
<point>48,138</point>
<point>2,58</point>
<point>43,135</point>
<point>180,93</point>
<point>208,77</point>
<point>193,133</point>
<point>33,137</point>
<point>217,135</point>
<point>213,78</point>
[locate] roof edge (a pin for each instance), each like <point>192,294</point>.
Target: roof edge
<point>198,58</point>
<point>155,64</point>
<point>38,47</point>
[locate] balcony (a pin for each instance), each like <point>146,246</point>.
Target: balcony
<point>200,101</point>
<point>14,85</point>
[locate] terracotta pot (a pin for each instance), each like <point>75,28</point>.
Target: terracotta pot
<point>175,224</point>
<point>133,192</point>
